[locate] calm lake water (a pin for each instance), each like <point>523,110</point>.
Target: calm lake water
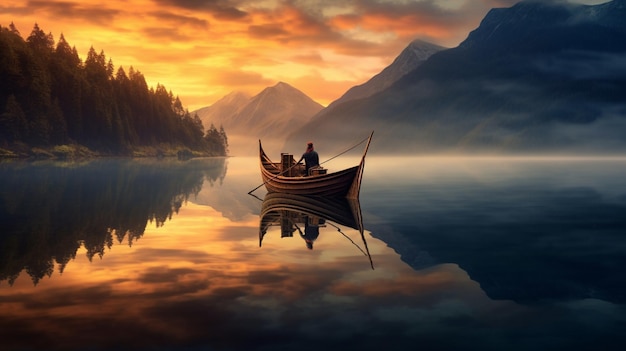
<point>456,254</point>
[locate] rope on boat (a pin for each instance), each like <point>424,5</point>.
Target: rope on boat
<point>343,152</point>
<point>330,159</point>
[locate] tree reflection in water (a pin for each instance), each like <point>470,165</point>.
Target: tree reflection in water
<point>49,209</point>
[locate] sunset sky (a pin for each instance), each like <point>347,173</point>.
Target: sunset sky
<point>203,50</point>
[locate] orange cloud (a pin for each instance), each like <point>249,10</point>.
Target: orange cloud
<point>237,78</point>
<point>203,50</point>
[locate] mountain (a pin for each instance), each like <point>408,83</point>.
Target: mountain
<point>533,78</point>
<point>415,54</point>
<point>410,58</point>
<point>218,113</point>
<point>269,115</point>
<point>275,111</point>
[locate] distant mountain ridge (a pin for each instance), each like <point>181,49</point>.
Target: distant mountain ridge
<point>275,110</point>
<point>269,115</point>
<point>536,77</point>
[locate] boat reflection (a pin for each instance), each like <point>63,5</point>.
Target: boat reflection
<point>307,214</point>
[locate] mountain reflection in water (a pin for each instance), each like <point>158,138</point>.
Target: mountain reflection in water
<point>469,255</point>
<point>527,230</point>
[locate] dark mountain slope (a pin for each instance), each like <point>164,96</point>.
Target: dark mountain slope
<point>535,77</point>
<point>410,58</point>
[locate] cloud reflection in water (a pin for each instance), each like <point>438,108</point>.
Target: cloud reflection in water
<point>201,281</point>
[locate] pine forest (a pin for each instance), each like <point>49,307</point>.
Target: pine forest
<point>54,104</point>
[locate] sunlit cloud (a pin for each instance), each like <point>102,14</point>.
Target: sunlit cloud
<point>239,78</point>
<point>73,10</point>
<point>220,9</point>
<point>203,50</point>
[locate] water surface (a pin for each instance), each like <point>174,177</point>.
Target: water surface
<point>457,254</point>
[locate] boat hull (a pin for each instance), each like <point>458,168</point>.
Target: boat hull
<point>344,183</point>
<point>332,184</point>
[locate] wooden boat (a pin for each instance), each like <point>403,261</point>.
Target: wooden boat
<point>287,210</point>
<point>287,177</point>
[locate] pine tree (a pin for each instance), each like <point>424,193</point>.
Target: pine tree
<point>65,67</point>
<point>14,29</point>
<point>13,125</point>
<point>224,140</point>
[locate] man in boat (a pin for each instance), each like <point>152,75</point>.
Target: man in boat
<point>311,158</point>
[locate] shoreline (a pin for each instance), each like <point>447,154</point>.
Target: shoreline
<point>75,151</point>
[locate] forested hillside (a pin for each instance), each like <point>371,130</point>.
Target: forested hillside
<point>51,100</point>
